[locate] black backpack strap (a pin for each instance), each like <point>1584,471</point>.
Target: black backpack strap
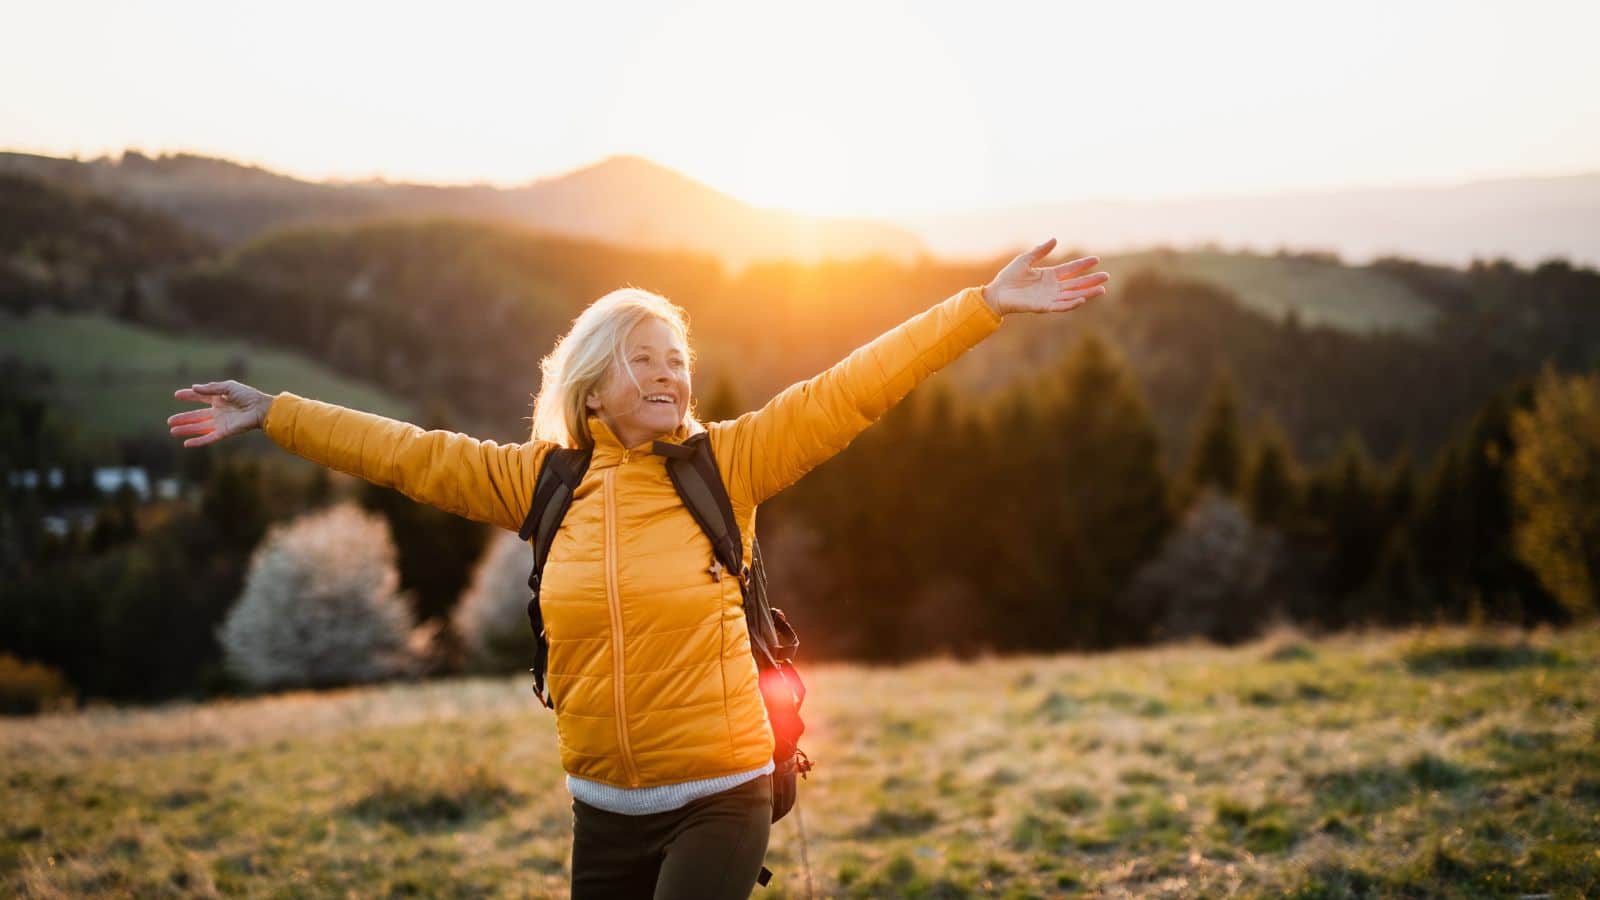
<point>559,477</point>
<point>693,470</point>
<point>563,469</point>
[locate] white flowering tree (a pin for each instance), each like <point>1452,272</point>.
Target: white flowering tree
<point>492,617</point>
<point>320,605</point>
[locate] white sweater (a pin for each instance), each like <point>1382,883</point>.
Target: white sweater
<point>658,799</point>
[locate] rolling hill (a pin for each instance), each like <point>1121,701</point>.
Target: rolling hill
<point>115,380</point>
<point>623,199</point>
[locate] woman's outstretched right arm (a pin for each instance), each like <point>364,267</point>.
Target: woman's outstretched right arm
<point>479,480</point>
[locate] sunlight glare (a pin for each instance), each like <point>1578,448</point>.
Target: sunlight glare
<point>844,109</point>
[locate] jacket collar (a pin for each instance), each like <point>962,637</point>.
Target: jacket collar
<point>608,449</point>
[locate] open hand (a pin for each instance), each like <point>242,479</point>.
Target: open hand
<point>235,408</point>
<point>1021,288</point>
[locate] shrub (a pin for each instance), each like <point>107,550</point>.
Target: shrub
<point>1212,578</point>
<point>492,617</point>
<point>28,687</point>
<point>320,605</point>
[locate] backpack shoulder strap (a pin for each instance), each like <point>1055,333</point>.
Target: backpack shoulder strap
<point>559,477</point>
<point>563,469</point>
<point>693,470</point>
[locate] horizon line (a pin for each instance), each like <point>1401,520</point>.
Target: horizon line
<point>117,157</point>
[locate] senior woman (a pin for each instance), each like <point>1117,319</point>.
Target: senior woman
<point>662,729</point>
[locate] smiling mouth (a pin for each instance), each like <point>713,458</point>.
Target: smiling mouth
<point>660,400</point>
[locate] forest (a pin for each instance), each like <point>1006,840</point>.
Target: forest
<point>1177,460</point>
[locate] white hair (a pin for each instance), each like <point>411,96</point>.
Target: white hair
<point>578,364</point>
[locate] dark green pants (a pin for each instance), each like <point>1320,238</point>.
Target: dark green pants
<point>709,849</point>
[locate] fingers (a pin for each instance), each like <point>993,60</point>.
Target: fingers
<point>210,438</point>
<point>193,415</point>
<point>1086,294</point>
<point>1039,252</point>
<point>1068,269</point>
<point>193,428</point>
<point>1074,299</point>
<point>1085,281</point>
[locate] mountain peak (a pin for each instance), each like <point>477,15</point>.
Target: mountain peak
<point>633,171</point>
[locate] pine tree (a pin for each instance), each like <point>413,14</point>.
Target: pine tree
<point>1459,532</point>
<point>1109,511</point>
<point>1271,481</point>
<point>1353,523</point>
<point>1216,451</point>
<point>233,502</point>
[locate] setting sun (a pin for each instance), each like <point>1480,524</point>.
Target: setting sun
<point>795,112</point>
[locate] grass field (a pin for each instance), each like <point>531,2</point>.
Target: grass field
<point>1417,764</point>
<point>116,380</point>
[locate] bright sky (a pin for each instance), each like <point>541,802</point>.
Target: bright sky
<point>854,107</point>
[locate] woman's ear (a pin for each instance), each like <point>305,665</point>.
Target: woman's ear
<point>592,401</point>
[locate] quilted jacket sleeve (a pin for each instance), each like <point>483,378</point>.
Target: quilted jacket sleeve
<point>479,480</point>
<point>770,448</point>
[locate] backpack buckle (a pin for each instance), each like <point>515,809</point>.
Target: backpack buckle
<point>744,575</point>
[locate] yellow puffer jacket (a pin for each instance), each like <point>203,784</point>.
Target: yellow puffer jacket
<point>650,665</point>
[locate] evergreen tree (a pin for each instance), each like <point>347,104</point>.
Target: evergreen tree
<point>1459,533</point>
<point>1216,451</point>
<point>1271,489</point>
<point>1353,526</point>
<point>1399,489</point>
<point>233,502</point>
<point>1105,495</point>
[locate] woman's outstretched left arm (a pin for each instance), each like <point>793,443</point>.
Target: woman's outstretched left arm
<point>769,449</point>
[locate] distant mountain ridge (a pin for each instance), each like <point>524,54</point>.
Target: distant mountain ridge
<point>624,200</point>
<point>632,201</point>
<point>1527,220</point>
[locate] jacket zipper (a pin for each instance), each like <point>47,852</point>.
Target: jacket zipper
<point>615,602</point>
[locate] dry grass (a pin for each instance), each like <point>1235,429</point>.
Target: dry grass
<point>1427,763</point>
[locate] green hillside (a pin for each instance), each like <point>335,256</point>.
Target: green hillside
<point>1424,764</point>
<point>1320,290</point>
<point>114,380</point>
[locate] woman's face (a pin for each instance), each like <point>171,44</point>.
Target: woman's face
<point>656,407</point>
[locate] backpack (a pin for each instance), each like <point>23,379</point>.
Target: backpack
<point>773,641</point>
